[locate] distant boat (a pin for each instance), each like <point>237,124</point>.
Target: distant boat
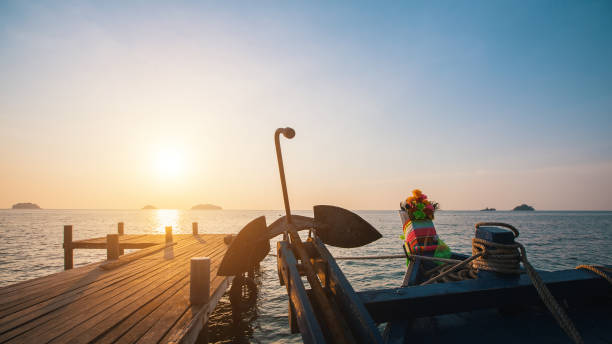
<point>26,206</point>
<point>488,209</point>
<point>524,207</point>
<point>147,207</point>
<point>206,207</point>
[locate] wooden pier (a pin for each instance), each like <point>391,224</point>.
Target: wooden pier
<point>163,293</point>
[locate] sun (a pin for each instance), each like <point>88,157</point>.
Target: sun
<point>169,163</point>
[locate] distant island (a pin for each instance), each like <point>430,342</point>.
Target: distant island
<point>206,207</point>
<point>524,207</point>
<point>26,206</point>
<point>488,209</point>
<point>148,207</point>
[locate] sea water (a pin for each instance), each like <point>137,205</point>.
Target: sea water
<point>31,246</point>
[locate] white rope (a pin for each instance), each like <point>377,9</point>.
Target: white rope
<point>395,256</point>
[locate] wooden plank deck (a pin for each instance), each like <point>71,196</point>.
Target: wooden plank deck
<point>142,297</point>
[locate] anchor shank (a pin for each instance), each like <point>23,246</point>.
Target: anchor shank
<point>288,133</point>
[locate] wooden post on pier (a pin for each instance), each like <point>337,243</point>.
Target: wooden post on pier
<point>168,234</point>
<point>199,291</point>
<point>194,228</point>
<point>68,257</point>
<point>112,246</point>
<point>120,231</point>
<point>199,288</point>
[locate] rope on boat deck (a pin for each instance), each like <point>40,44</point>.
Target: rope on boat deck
<point>463,274</point>
<point>599,270</point>
<point>549,300</point>
<point>393,256</point>
<point>506,258</point>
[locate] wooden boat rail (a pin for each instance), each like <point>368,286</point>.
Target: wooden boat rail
<point>302,316</point>
<point>115,244</point>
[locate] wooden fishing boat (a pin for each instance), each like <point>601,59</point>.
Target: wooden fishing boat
<point>493,295</point>
<point>526,306</point>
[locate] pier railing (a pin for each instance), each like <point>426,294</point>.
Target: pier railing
<point>115,244</point>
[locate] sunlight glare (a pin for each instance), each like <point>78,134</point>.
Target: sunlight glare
<point>169,163</point>
<point>167,217</point>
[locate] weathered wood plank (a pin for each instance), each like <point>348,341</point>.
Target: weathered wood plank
<point>189,332</point>
<point>96,301</point>
<point>350,304</point>
<point>18,301</point>
<point>129,301</point>
<point>35,283</point>
<point>134,256</point>
<point>305,316</point>
<point>153,325</point>
<point>144,317</point>
<point>102,333</point>
<point>20,287</point>
<point>128,241</point>
<point>185,329</point>
<point>162,270</point>
<point>157,317</point>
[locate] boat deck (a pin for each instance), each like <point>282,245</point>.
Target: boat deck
<point>142,297</point>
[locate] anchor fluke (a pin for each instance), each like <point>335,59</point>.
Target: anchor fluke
<point>342,228</point>
<point>247,249</point>
<point>334,225</point>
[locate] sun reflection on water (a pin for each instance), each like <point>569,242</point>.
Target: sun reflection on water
<point>165,218</point>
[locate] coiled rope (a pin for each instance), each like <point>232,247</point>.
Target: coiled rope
<point>506,258</point>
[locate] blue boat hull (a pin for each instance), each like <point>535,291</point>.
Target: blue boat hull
<point>493,309</point>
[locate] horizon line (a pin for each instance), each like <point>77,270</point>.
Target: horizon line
<point>282,210</point>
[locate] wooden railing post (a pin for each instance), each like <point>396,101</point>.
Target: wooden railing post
<point>68,257</point>
<point>112,246</point>
<point>199,292</point>
<point>120,231</point>
<point>199,288</point>
<point>168,234</point>
<point>194,228</point>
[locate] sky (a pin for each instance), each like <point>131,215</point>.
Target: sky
<point>118,104</point>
